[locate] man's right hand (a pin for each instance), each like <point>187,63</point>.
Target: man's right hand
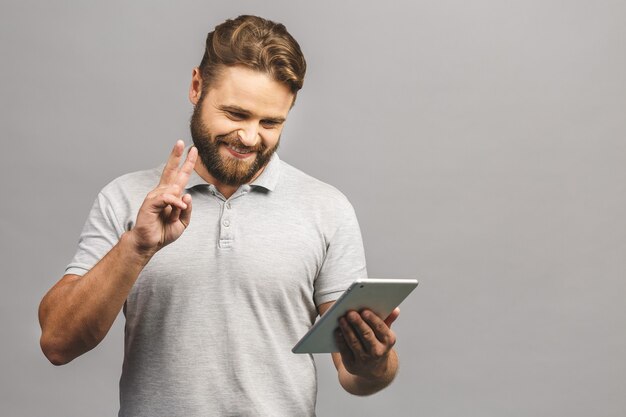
<point>166,212</point>
<point>78,311</point>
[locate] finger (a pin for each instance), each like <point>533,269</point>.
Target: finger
<point>392,317</point>
<point>351,338</point>
<point>171,166</point>
<point>174,215</point>
<point>158,203</point>
<point>172,189</point>
<point>185,171</point>
<point>369,339</point>
<point>380,328</point>
<point>185,215</point>
<point>346,353</point>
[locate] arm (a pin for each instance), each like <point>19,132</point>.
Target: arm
<point>365,364</point>
<point>77,312</point>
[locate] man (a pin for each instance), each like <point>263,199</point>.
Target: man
<point>215,301</point>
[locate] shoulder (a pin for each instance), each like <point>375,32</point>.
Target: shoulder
<point>310,190</point>
<point>127,192</point>
<point>135,182</point>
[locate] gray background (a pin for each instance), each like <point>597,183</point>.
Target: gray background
<point>482,144</point>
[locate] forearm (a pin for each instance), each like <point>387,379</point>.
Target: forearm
<point>359,385</point>
<point>78,312</point>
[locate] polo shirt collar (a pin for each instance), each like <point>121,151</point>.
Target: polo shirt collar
<point>268,178</point>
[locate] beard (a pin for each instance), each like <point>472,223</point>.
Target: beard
<point>227,170</point>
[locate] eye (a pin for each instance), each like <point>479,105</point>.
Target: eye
<point>236,116</point>
<point>269,124</point>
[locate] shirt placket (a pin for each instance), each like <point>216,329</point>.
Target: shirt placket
<point>227,215</point>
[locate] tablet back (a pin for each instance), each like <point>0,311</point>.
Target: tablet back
<point>379,295</point>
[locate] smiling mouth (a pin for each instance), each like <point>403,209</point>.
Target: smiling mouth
<point>239,153</point>
<point>238,150</point>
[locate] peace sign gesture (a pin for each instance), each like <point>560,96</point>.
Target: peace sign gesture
<point>166,213</point>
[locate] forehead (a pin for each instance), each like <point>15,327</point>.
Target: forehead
<point>251,90</point>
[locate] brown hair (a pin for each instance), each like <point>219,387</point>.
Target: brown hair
<point>258,44</point>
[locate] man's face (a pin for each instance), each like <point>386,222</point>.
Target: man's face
<point>237,122</point>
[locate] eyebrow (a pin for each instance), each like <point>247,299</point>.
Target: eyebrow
<point>241,110</point>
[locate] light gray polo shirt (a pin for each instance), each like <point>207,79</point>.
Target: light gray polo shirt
<point>212,318</point>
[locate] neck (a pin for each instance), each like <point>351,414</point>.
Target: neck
<point>226,190</point>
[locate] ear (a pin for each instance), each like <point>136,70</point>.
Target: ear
<point>195,89</point>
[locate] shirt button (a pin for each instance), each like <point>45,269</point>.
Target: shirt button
<point>226,223</point>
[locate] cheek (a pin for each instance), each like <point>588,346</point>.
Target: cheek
<point>271,137</point>
<point>219,126</point>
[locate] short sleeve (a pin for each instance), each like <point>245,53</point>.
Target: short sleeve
<point>100,233</point>
<point>344,261</point>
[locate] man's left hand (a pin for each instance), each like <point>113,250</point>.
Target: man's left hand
<point>365,342</point>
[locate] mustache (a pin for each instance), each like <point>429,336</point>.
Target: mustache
<point>232,139</point>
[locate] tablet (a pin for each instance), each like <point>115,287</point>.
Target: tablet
<point>378,295</point>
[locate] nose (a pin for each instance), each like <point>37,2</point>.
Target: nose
<point>249,135</point>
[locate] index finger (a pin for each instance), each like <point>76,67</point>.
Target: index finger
<point>171,167</point>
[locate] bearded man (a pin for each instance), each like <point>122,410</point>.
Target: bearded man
<point>214,301</point>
